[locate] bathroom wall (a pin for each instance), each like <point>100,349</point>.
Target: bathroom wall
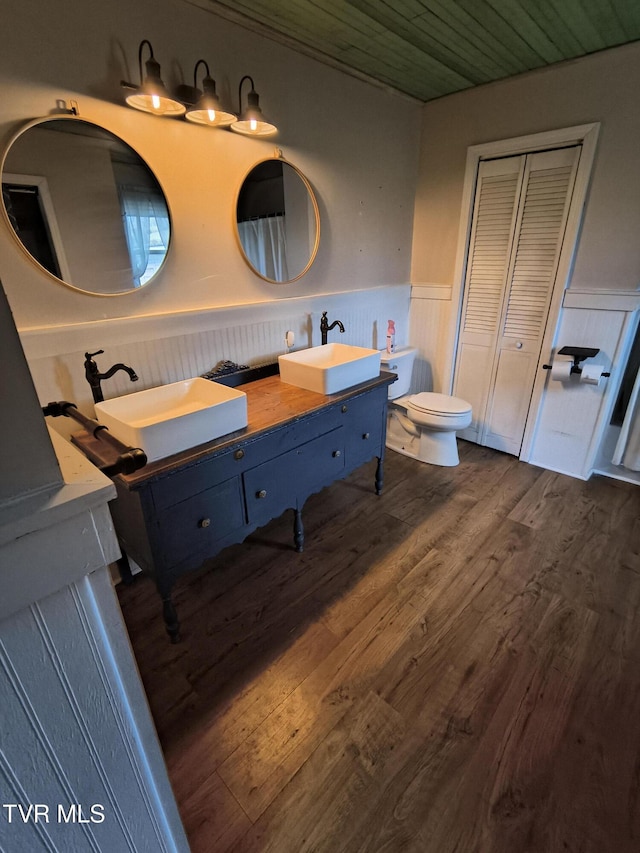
<point>357,144</point>
<point>76,727</point>
<point>170,347</point>
<point>574,417</point>
<point>600,88</point>
<point>27,461</point>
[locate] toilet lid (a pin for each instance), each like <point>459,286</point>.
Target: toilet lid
<point>442,404</point>
<point>386,357</point>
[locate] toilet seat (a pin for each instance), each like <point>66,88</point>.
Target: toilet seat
<point>442,405</point>
<point>438,412</point>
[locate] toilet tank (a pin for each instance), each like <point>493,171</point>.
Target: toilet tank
<point>401,363</point>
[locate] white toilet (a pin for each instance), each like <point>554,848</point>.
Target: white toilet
<point>422,425</point>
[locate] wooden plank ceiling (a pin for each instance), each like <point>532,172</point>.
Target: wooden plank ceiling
<point>430,48</point>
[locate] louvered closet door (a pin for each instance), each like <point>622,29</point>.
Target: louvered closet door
<point>493,226</point>
<point>523,265</point>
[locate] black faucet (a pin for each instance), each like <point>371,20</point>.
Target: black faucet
<point>94,377</point>
<point>325,327</point>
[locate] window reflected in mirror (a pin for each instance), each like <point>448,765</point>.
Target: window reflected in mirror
<point>85,206</point>
<point>278,222</point>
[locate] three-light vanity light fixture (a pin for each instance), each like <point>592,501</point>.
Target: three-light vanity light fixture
<point>201,106</point>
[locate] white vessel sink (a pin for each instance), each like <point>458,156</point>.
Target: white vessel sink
<point>330,368</point>
<point>174,417</point>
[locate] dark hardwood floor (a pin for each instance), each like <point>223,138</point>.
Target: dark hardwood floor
<point>451,666</point>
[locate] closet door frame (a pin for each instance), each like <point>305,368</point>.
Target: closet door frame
<point>585,135</point>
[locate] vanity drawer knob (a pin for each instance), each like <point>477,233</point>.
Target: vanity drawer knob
<point>262,493</point>
<point>204,522</point>
<point>344,409</point>
<point>336,454</point>
<point>365,435</point>
<point>239,454</point>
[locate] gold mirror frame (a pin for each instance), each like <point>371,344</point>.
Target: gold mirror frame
<point>118,267</point>
<point>278,158</point>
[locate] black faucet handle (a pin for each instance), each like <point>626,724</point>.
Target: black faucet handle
<point>89,355</point>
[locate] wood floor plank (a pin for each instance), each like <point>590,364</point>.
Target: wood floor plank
<point>202,746</point>
<point>451,667</point>
<point>336,781</point>
<point>485,758</point>
<point>504,492</point>
<point>214,816</point>
<point>273,754</point>
<point>598,758</point>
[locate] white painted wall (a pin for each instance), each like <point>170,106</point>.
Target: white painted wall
<point>77,732</point>
<point>76,728</point>
<point>357,144</point>
<point>599,88</point>
<point>574,416</point>
<point>27,460</point>
<point>168,347</point>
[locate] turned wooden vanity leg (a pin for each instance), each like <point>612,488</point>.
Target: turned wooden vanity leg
<point>170,618</point>
<point>379,475</point>
<point>298,531</point>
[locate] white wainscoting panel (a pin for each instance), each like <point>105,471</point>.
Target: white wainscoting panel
<point>430,332</point>
<point>76,737</point>
<point>171,347</point>
<point>573,417</point>
<point>71,738</point>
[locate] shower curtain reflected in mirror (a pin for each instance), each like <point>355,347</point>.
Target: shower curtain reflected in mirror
<point>265,246</point>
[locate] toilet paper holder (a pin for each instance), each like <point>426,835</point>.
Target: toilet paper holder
<point>578,354</point>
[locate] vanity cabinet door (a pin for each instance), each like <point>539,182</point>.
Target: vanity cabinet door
<point>287,480</point>
<point>364,421</point>
<point>188,529</point>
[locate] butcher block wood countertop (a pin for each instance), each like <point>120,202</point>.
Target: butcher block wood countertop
<point>271,403</point>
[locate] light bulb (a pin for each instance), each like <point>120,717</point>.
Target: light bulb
<point>212,115</point>
<point>155,101</point>
<point>253,124</point>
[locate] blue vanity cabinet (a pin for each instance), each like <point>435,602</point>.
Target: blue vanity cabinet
<point>177,512</point>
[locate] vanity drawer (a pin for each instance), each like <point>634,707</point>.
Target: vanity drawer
<point>176,488</point>
<point>286,481</point>
<point>190,527</point>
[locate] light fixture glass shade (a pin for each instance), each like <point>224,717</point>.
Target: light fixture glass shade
<point>251,121</point>
<point>152,95</point>
<point>208,109</point>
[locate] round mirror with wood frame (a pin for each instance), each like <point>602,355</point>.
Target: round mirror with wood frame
<point>277,221</point>
<point>84,206</point>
